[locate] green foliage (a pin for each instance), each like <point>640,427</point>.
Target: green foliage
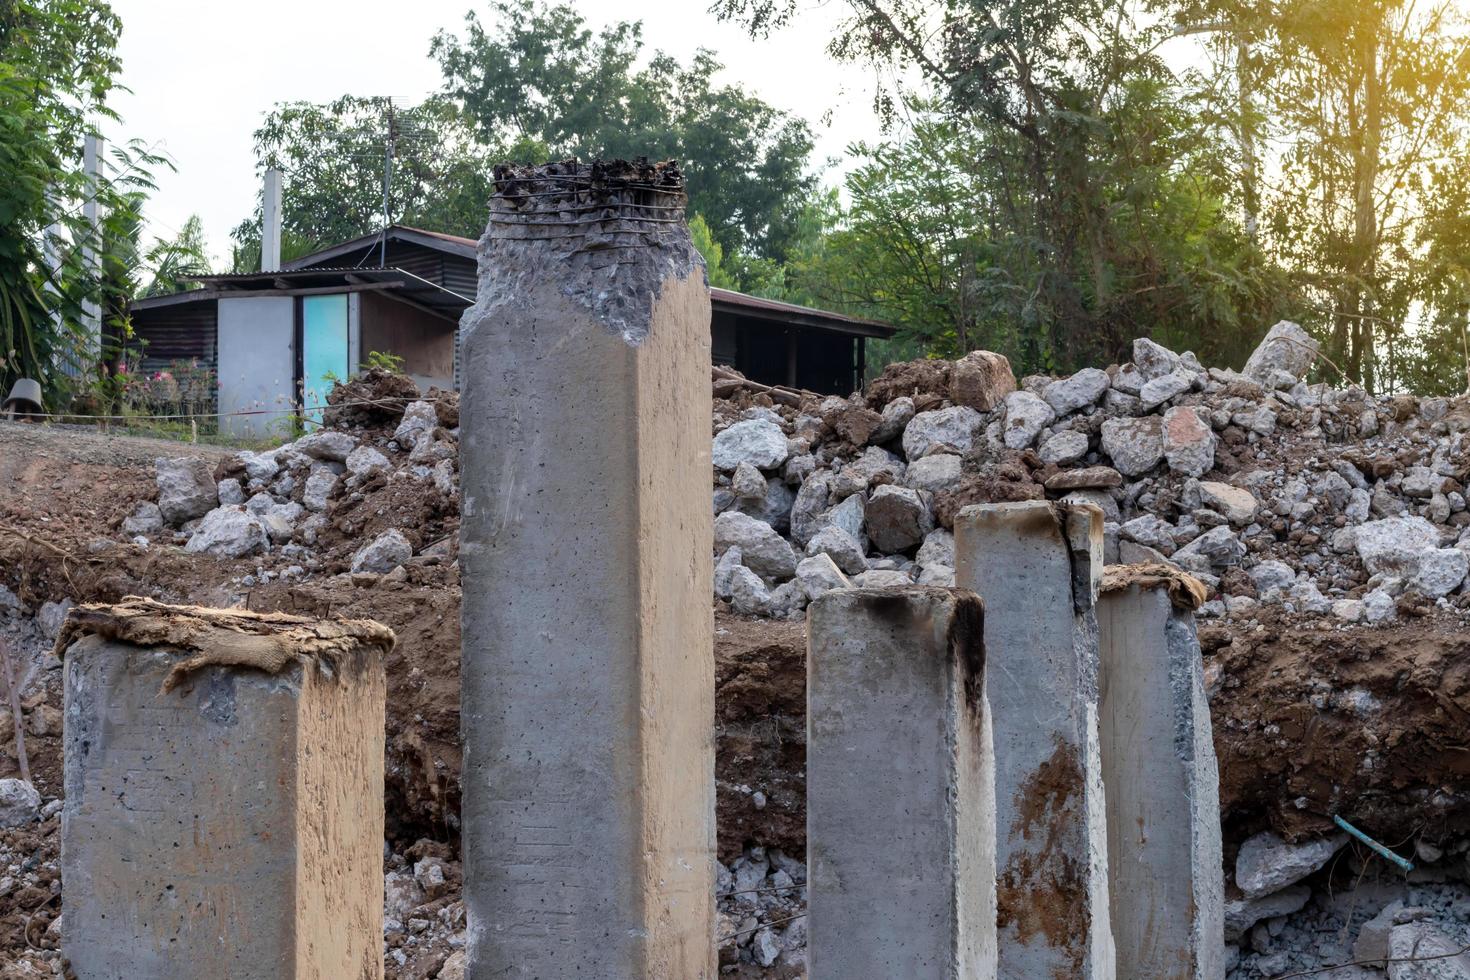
<point>540,74</point>
<point>378,360</point>
<point>1368,104</point>
<point>58,65</point>
<point>332,157</point>
<point>172,260</point>
<point>1061,193</point>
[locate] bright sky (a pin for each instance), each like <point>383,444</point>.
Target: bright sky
<point>203,73</point>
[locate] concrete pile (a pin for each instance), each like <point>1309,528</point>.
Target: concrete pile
<point>1272,491</point>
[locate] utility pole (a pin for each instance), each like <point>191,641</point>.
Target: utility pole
<point>92,163</point>
<point>270,226</point>
<point>387,179</point>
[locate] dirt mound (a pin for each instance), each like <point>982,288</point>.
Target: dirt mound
<point>1369,724</point>
<point>760,734</point>
<point>373,398</point>
<point>926,381</point>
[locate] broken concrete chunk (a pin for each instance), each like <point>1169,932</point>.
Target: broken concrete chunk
<point>843,549</point>
<point>934,473</point>
<point>1160,390</point>
<point>319,486</point>
<point>229,532</point>
<point>1153,360</point>
<point>1026,416</point>
<point>981,380</point>
<point>1234,504</point>
<point>818,575</point>
<point>419,419</point>
<point>1242,913</point>
<point>1286,347</point>
<point>146,518</point>
<point>945,428</point>
<point>1267,864</point>
<point>1064,448</point>
<point>764,551</point>
<point>384,553</point>
<point>897,518</point>
<point>186,488</point>
<point>1135,445</point>
<point>1189,441</point>
<point>328,444</point>
<point>19,803</point>
<point>758,442</point>
<point>1081,390</point>
<point>747,482</point>
<point>364,461</point>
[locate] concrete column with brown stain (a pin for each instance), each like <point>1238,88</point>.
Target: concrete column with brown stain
<point>1037,566</point>
<point>900,787</point>
<point>224,794</point>
<point>588,667</point>
<point>1163,786</point>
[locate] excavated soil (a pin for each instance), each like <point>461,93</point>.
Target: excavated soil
<point>1369,724</point>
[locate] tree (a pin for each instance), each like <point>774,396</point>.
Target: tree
<point>1059,193</point>
<point>57,66</point>
<point>333,158</point>
<point>542,75</point>
<point>1369,102</point>
<point>172,260</point>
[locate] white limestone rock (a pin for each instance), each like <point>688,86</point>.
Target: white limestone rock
<point>758,442</point>
<point>764,551</point>
<point>952,428</point>
<point>384,553</point>
<point>1266,864</point>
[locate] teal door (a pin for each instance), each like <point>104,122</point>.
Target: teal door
<point>323,349</point>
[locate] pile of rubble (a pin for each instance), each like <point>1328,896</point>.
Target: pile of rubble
<point>1272,491</point>
<point>1331,905</point>
<point>304,507</point>
<point>761,901</point>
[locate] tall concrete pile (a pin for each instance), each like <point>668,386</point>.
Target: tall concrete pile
<point>1270,490</point>
<point>587,669</point>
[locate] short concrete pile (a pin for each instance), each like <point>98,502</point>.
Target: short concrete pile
<point>1037,567</point>
<point>224,793</point>
<point>900,786</point>
<point>1158,761</point>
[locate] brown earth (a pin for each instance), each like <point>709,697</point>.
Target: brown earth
<point>1311,718</point>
